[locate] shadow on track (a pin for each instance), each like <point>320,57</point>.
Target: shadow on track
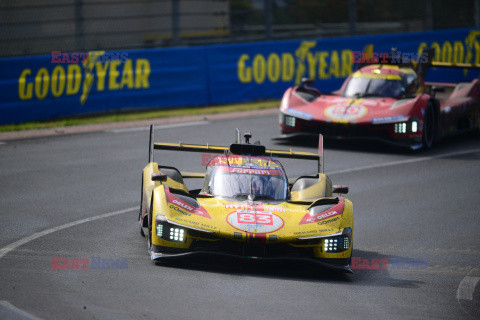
<point>372,146</point>
<point>300,271</point>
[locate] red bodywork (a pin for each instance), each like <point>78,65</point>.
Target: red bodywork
<point>394,120</point>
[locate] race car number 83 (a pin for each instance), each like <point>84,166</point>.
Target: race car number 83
<point>259,218</point>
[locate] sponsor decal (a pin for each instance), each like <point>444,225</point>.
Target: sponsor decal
<point>78,78</point>
<point>273,208</point>
<point>207,226</point>
<point>255,222</point>
<point>359,74</point>
<point>181,206</point>
<point>330,213</point>
<point>310,232</point>
<point>344,112</point>
<point>257,207</point>
<point>328,221</point>
<point>59,263</point>
<point>185,222</point>
<point>313,232</point>
<point>241,162</point>
<point>240,206</point>
<point>250,171</point>
<point>389,119</point>
<point>179,210</point>
<point>306,61</point>
<point>263,172</point>
<point>299,114</point>
<point>466,51</point>
<point>325,230</point>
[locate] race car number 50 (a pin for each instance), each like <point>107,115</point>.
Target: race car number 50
<point>345,112</point>
<point>259,218</point>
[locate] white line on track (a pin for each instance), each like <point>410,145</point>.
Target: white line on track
<point>400,162</point>
<point>466,293</point>
<point>14,312</point>
<point>18,243</point>
<point>163,126</point>
<point>1,142</point>
<point>467,287</point>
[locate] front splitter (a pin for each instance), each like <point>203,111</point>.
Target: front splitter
<point>171,257</point>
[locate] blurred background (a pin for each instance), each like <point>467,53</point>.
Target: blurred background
<point>36,27</point>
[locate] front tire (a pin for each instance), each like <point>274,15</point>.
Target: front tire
<point>428,136</point>
<point>150,224</point>
<point>140,222</point>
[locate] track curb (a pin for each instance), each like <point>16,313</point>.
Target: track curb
<point>26,134</point>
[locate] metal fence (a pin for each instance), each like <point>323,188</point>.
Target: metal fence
<point>33,27</point>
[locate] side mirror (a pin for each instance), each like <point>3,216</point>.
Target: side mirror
<point>307,82</point>
<point>339,189</point>
<point>438,89</point>
<point>159,177</point>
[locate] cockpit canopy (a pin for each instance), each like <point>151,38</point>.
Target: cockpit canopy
<point>378,83</point>
<point>239,176</point>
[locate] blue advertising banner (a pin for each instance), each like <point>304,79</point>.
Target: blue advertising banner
<point>65,84</point>
<point>265,70</point>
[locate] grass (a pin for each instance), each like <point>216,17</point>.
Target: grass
<point>138,115</point>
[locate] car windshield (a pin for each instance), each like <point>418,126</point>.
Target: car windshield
<point>264,184</point>
<point>359,87</point>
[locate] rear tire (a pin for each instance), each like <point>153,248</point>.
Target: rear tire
<point>428,137</point>
<point>477,130</point>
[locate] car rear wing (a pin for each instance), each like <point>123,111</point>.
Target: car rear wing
<point>288,154</point>
<point>429,53</point>
<point>455,65</point>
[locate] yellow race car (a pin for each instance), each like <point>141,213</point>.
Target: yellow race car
<point>246,208</point>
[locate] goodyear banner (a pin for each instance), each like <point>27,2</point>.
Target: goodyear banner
<point>74,83</point>
<point>64,84</point>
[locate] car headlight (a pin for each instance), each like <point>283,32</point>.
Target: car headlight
<point>406,127</point>
<point>167,231</point>
<point>287,120</point>
<point>338,243</point>
<point>176,234</point>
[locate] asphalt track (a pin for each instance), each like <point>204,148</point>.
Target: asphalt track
<point>76,197</point>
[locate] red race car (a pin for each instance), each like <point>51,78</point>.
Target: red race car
<point>387,102</point>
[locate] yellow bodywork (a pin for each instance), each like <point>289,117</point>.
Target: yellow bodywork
<point>285,217</point>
